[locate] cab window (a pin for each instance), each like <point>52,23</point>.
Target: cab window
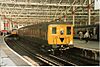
<point>68,32</point>
<point>53,30</point>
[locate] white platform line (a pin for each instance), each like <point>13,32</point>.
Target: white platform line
<point>17,54</point>
<point>87,48</point>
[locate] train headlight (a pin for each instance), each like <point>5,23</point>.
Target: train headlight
<point>71,42</point>
<point>62,32</point>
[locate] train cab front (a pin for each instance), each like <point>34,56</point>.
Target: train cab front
<point>60,35</point>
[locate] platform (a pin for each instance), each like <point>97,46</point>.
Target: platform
<point>9,58</point>
<point>91,45</point>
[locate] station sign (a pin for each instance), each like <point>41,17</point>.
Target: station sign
<point>97,4</point>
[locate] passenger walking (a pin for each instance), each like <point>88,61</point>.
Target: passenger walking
<point>91,33</point>
<point>86,36</point>
<point>80,35</point>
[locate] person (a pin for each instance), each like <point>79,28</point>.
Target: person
<point>91,34</point>
<point>86,36</point>
<point>80,35</point>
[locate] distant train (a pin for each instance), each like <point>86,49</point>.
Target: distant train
<point>56,34</point>
<point>93,31</point>
<point>13,34</point>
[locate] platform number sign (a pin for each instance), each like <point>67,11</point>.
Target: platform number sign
<point>97,4</point>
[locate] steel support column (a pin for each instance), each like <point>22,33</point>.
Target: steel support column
<point>89,13</point>
<point>73,15</point>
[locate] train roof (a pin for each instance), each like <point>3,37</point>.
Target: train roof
<point>43,25</point>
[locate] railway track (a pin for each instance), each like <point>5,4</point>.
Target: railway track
<point>75,56</point>
<point>44,58</point>
<point>67,59</point>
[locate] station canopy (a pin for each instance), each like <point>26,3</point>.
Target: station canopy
<point>35,11</point>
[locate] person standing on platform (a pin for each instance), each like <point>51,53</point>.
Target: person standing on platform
<point>86,36</point>
<point>80,35</point>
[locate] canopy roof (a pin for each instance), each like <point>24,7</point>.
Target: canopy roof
<point>32,11</point>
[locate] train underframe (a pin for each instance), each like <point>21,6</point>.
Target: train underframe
<point>59,49</point>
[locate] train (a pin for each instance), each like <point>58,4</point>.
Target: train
<point>93,31</point>
<point>13,34</point>
<point>56,35</point>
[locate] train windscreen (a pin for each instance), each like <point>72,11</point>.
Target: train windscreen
<point>68,32</point>
<point>53,30</point>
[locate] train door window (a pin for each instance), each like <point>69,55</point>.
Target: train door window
<point>68,32</point>
<point>53,30</point>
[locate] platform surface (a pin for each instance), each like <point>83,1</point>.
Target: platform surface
<point>8,58</point>
<point>93,45</point>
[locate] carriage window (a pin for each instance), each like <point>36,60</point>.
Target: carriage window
<point>54,30</point>
<point>68,32</point>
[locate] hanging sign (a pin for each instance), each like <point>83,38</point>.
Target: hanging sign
<point>97,4</point>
